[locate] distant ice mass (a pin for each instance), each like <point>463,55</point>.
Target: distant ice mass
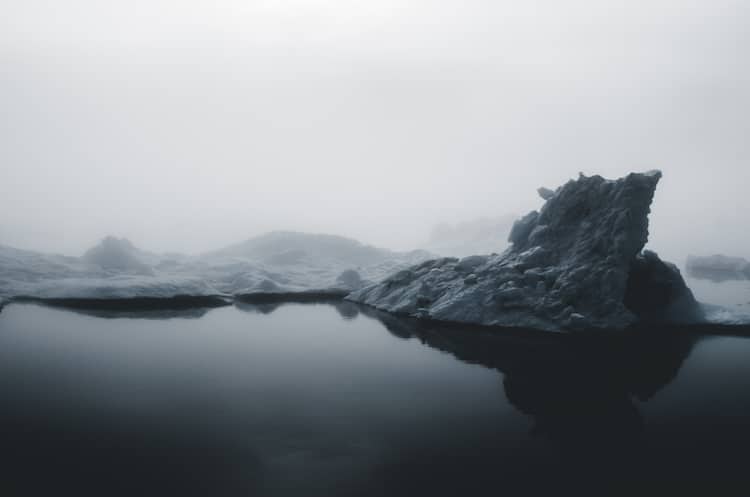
<point>282,248</point>
<point>577,263</point>
<point>277,263</point>
<point>117,254</point>
<point>718,267</point>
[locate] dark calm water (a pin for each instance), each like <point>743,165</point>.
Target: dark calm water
<point>323,399</point>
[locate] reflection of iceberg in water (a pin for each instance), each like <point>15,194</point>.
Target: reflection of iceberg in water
<point>576,388</point>
<point>133,308</point>
<point>585,391</point>
<point>257,308</point>
<point>347,310</point>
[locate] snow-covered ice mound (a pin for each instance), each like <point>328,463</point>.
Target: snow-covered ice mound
<point>576,263</point>
<point>277,265</point>
<point>116,254</point>
<point>122,287</point>
<point>281,248</point>
<point>31,275</point>
<point>281,263</point>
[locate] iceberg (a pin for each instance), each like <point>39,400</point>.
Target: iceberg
<point>577,263</point>
<point>275,266</point>
<point>117,254</point>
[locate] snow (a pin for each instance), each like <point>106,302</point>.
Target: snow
<point>279,263</point>
<point>569,267</point>
<point>117,254</point>
<point>722,315</point>
<point>121,287</point>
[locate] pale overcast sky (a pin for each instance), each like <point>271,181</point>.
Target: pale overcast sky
<point>187,125</point>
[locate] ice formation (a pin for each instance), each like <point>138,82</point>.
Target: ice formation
<point>576,263</point>
<point>275,265</point>
<point>117,254</point>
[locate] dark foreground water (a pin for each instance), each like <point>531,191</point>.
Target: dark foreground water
<point>337,400</point>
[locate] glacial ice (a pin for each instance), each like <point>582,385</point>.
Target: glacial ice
<point>117,255</point>
<point>576,263</point>
<point>278,263</point>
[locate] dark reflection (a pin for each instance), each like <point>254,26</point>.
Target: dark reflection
<point>583,392</point>
<point>257,308</point>
<point>292,297</point>
<point>186,307</point>
<point>49,452</point>
<point>347,310</point>
<point>269,303</point>
<point>577,388</point>
<point>190,313</point>
<point>312,407</point>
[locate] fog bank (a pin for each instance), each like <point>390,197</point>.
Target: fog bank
<point>187,126</point>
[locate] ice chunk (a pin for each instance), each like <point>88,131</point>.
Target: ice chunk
<point>277,264</point>
<point>570,266</point>
<point>116,254</point>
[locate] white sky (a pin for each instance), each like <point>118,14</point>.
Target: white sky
<point>187,125</point>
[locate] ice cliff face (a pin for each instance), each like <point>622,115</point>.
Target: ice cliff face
<point>576,263</point>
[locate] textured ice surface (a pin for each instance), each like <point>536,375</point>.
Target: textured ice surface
<point>569,266</point>
<point>276,263</point>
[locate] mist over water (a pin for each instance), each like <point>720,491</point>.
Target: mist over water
<point>187,126</point>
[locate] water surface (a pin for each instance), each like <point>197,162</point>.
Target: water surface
<point>335,399</point>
